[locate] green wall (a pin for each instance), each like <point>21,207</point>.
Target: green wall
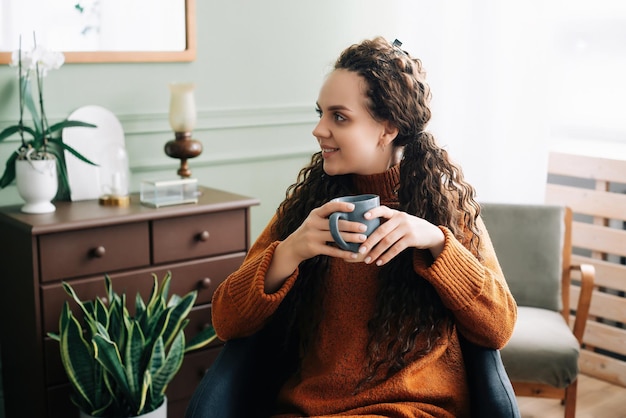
<point>258,70</point>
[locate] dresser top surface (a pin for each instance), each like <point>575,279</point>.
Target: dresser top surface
<point>89,213</point>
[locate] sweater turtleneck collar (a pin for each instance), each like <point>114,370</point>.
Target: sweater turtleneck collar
<point>384,184</point>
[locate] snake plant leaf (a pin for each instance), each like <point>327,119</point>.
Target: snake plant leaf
<point>153,301</point>
<point>165,286</point>
<point>99,412</point>
<point>141,315</point>
<point>174,300</point>
<point>155,362</point>
<point>101,314</point>
<point>202,339</point>
<point>108,286</point>
<point>79,366</point>
<point>133,358</point>
<point>177,314</point>
<point>108,355</point>
<point>145,389</point>
<point>157,356</point>
<point>157,325</point>
<point>168,370</point>
<point>70,291</point>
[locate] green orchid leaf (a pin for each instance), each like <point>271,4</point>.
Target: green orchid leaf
<point>9,171</point>
<point>11,130</point>
<point>71,150</point>
<point>67,123</point>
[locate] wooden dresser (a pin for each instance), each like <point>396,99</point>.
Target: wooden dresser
<point>201,244</point>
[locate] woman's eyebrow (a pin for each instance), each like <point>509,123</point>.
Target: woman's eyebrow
<point>334,107</point>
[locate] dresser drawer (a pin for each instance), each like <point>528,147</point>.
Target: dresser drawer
<point>95,250</point>
<point>201,275</point>
<point>191,373</point>
<point>196,236</point>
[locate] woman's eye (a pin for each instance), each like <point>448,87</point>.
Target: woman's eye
<point>318,111</point>
<point>339,117</point>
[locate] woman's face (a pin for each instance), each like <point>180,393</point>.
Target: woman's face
<point>352,141</point>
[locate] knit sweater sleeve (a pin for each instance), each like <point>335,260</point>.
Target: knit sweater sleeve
<point>240,306</point>
<point>475,291</point>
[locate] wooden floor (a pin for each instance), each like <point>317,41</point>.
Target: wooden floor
<point>596,399</point>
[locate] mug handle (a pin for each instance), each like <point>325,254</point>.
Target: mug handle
<point>334,229</point>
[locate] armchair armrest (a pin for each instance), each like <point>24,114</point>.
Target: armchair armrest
<point>587,279</point>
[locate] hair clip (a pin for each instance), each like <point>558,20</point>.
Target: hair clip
<point>397,43</point>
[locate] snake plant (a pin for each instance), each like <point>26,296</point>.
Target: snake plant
<point>120,365</point>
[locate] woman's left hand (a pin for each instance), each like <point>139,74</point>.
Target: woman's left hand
<point>397,232</point>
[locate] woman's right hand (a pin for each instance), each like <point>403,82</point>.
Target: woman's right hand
<point>311,239</point>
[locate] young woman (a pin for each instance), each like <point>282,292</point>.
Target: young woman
<point>378,337</point>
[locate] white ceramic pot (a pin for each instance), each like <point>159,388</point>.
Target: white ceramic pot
<point>160,412</point>
<point>37,184</point>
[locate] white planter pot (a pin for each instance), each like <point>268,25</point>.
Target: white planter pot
<point>37,184</point>
<point>160,412</point>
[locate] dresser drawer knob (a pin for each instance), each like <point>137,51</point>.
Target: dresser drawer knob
<point>99,252</point>
<point>203,236</point>
<point>205,283</point>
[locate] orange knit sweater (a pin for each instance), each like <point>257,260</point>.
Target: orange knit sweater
<point>432,386</point>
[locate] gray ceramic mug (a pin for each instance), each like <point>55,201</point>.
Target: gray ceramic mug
<point>362,204</point>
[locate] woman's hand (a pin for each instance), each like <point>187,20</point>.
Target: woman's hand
<point>311,239</point>
<point>399,232</point>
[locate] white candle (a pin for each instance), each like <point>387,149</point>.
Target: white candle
<point>182,107</point>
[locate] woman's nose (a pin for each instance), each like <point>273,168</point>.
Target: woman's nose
<point>320,131</point>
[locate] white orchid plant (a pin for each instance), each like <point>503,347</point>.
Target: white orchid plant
<point>39,141</point>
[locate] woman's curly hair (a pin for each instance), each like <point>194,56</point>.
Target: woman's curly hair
<point>409,317</point>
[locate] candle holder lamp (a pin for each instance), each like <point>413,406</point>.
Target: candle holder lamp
<point>182,119</point>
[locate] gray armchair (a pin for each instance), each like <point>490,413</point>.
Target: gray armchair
<point>533,245</point>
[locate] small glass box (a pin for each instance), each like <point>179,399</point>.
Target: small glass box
<point>157,194</point>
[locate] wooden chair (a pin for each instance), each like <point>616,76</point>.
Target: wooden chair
<point>533,245</point>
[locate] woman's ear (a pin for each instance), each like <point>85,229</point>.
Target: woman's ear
<point>389,134</point>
